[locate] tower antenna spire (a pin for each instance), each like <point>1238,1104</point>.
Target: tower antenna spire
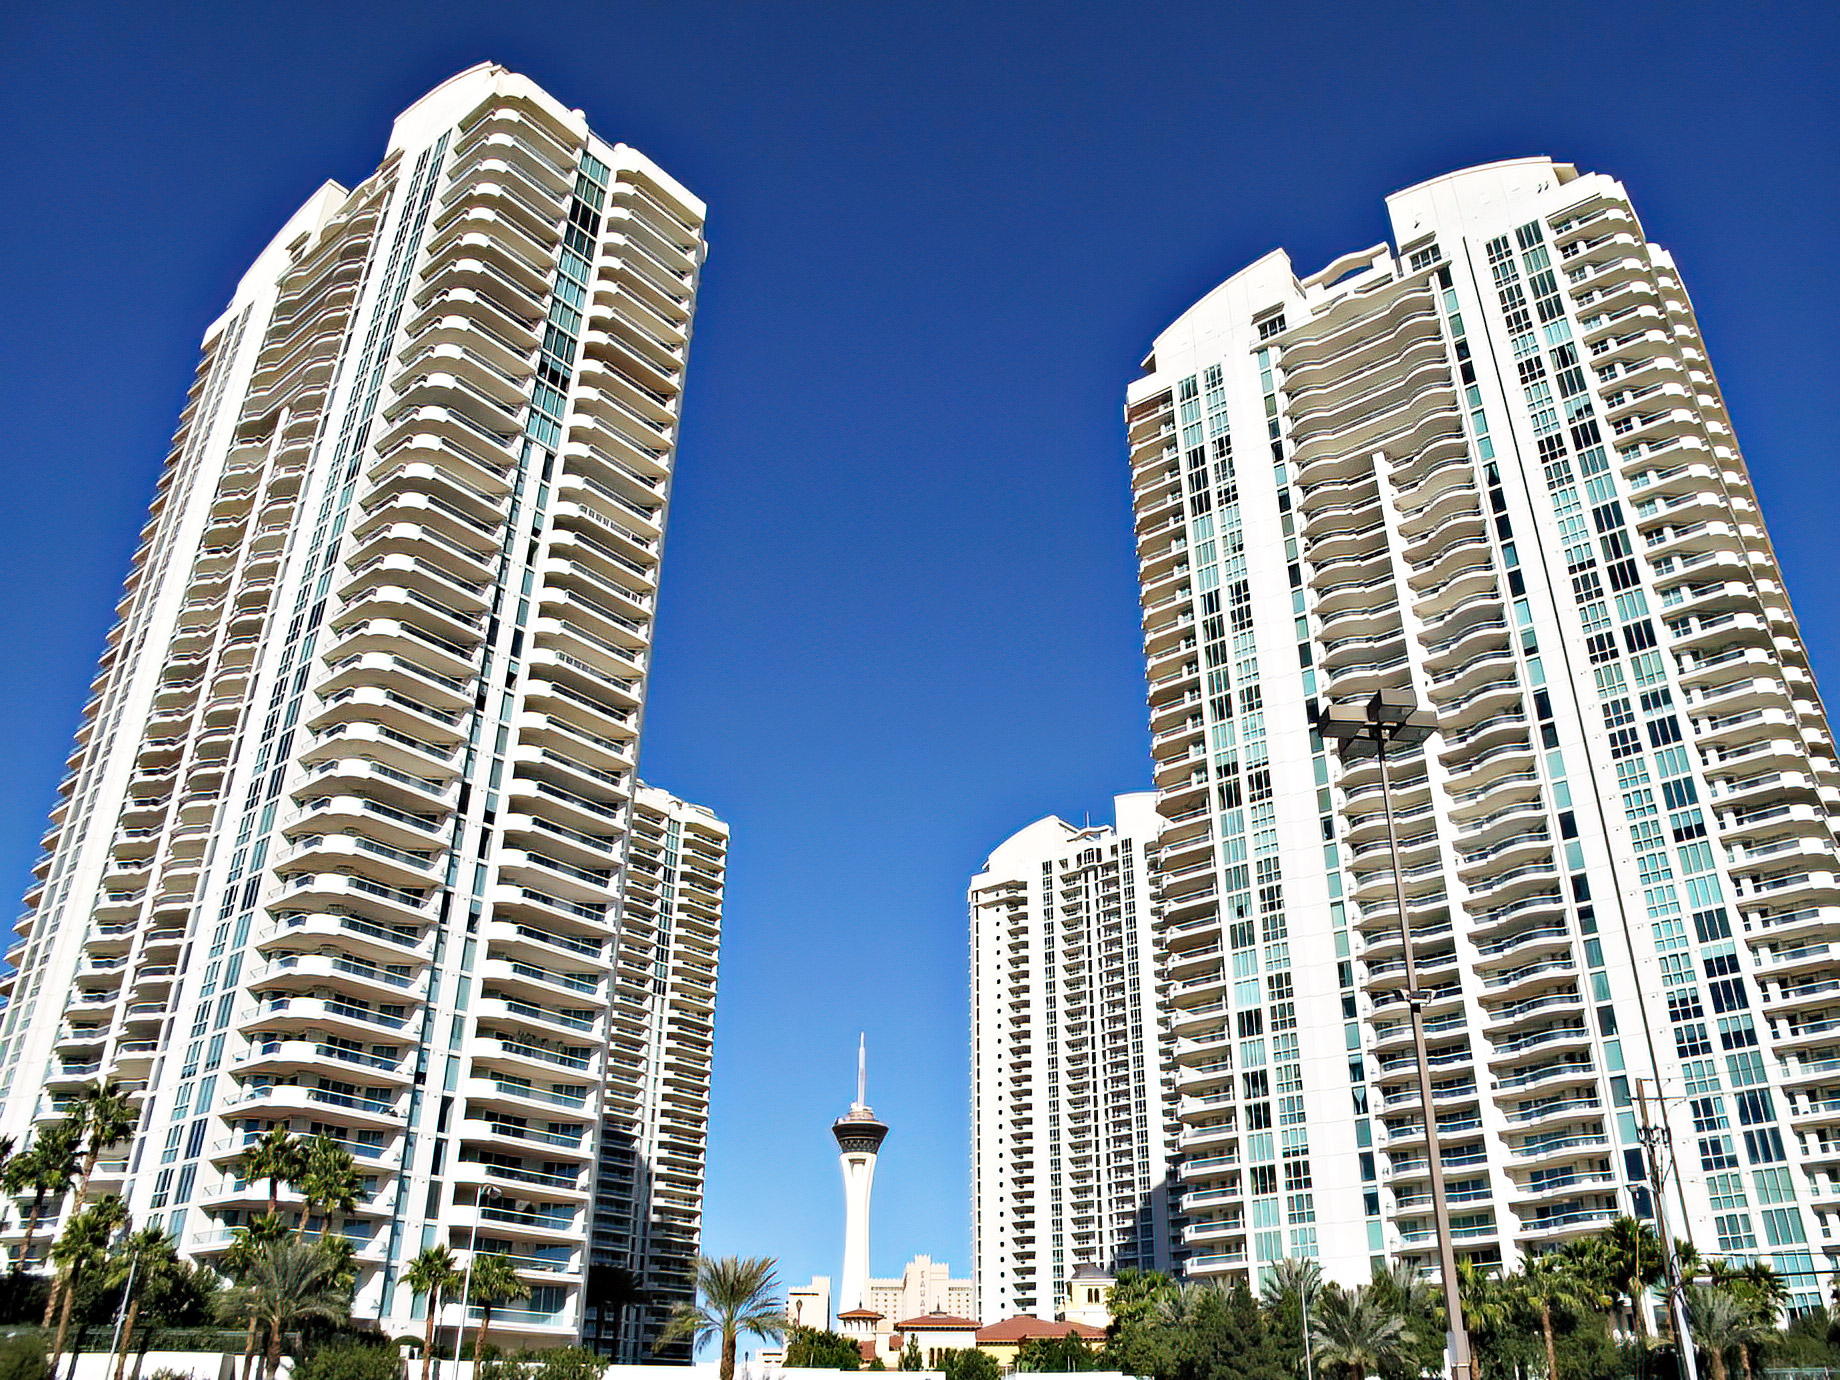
<point>862,1069</point>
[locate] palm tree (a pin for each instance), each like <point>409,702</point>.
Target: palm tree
<point>246,1245</point>
<point>739,1295</point>
<point>138,1267</point>
<point>1547,1283</point>
<point>1292,1281</point>
<point>1491,1308</point>
<point>286,1283</point>
<point>1354,1329</point>
<point>46,1168</point>
<point>1720,1322</point>
<point>329,1180</point>
<point>1292,1276</point>
<point>1761,1292</point>
<point>106,1114</point>
<point>494,1281</point>
<point>432,1273</point>
<point>1632,1258</point>
<point>275,1157</point>
<point>81,1247</point>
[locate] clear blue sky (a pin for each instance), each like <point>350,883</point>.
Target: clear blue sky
<point>898,619</point>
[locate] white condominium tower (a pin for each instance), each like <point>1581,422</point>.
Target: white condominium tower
<point>342,842</point>
<point>648,1204</point>
<point>1071,1103</point>
<point>1490,468</point>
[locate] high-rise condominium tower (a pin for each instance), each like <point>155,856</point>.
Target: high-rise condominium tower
<point>342,843</point>
<point>1071,1097</point>
<point>648,1203</point>
<point>1492,469</point>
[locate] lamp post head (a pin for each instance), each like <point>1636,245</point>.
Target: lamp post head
<point>1391,716</point>
<point>1391,706</point>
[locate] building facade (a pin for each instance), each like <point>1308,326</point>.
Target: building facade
<point>648,1198</point>
<point>1490,467</point>
<point>342,843</point>
<point>1072,1103</point>
<point>925,1286</point>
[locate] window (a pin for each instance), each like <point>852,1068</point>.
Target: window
<point>1735,1232</point>
<point>1745,1069</point>
<point>1783,1227</point>
<point>1727,1190</point>
<point>1711,925</point>
<point>1737,1032</point>
<point>1729,995</point>
<point>1755,1107</point>
<point>1708,1114</point>
<point>1715,1152</point>
<point>1773,1186</point>
<point>1764,1146</point>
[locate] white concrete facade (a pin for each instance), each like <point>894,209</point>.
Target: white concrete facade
<point>809,1305</point>
<point>1072,1099</point>
<point>343,841</point>
<point>648,1203</point>
<point>1491,467</point>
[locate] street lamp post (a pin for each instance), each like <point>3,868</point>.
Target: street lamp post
<point>1392,717</point>
<point>466,1285</point>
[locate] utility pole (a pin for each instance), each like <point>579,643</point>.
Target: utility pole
<point>1654,1139</point>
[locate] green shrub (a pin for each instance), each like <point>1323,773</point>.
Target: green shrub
<point>22,1298</point>
<point>566,1363</point>
<point>808,1346</point>
<point>22,1356</point>
<point>351,1360</point>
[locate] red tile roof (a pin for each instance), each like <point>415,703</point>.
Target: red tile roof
<point>1022,1328</point>
<point>938,1322</point>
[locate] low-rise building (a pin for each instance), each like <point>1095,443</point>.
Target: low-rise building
<point>1002,1341</point>
<point>934,1334</point>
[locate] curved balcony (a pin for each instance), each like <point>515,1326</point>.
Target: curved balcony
<point>292,1059</point>
<point>281,1101</point>
<point>404,713</point>
<point>393,981</point>
<point>281,1016</point>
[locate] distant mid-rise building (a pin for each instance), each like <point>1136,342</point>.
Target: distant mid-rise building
<point>1072,1106</point>
<point>925,1286</point>
<point>1489,470</point>
<point>809,1305</point>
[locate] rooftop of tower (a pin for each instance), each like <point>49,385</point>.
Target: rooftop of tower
<point>1414,212</point>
